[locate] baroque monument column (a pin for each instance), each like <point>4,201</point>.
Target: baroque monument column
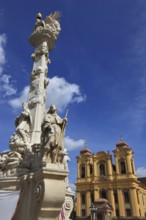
<point>43,41</point>
<point>37,161</point>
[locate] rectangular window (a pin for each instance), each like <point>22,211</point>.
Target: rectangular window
<point>91,169</point>
<point>116,197</point>
<point>128,212</point>
<point>92,197</point>
<point>83,212</point>
<point>117,212</point>
<point>126,197</point>
<point>83,199</point>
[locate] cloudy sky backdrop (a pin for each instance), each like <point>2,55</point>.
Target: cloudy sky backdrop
<point>98,71</point>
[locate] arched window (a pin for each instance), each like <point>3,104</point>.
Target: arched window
<point>122,167</point>
<point>116,197</point>
<point>103,194</point>
<point>102,169</point>
<point>91,169</point>
<point>82,171</point>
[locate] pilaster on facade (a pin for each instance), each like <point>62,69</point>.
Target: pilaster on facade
<point>141,206</point>
<point>117,165</point>
<point>121,202</point>
<point>88,202</point>
<point>128,161</point>
<point>96,194</point>
<point>109,168</point>
<point>135,208</point>
<point>78,205</point>
<point>94,166</point>
<point>112,200</point>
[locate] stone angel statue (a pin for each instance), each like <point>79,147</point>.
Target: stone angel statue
<point>50,23</point>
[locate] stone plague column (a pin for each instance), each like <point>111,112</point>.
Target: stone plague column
<point>37,161</point>
<point>43,41</point>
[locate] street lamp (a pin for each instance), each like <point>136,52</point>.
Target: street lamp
<point>93,210</point>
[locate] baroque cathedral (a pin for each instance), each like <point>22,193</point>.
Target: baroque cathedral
<point>107,189</point>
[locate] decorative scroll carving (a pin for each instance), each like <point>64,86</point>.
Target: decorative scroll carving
<point>39,191</point>
<point>68,203</point>
<point>67,207</point>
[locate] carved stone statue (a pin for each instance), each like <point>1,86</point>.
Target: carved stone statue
<point>3,158</point>
<point>51,23</point>
<point>49,29</point>
<point>21,138</point>
<point>52,135</point>
<point>39,21</point>
<point>12,161</point>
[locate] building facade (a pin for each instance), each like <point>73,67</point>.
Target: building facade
<point>99,177</point>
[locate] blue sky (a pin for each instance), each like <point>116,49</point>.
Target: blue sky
<point>98,69</point>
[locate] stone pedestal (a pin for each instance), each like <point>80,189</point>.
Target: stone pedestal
<point>42,194</point>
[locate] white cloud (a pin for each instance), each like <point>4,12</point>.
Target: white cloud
<point>6,86</point>
<point>17,102</point>
<point>71,144</point>
<point>59,92</point>
<point>2,51</point>
<point>141,172</point>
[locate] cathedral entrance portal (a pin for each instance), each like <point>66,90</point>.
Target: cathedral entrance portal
<point>99,216</point>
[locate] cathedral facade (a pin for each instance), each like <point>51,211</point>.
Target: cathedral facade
<point>99,177</point>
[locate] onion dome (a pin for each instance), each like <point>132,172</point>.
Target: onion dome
<point>86,152</point>
<point>122,144</point>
